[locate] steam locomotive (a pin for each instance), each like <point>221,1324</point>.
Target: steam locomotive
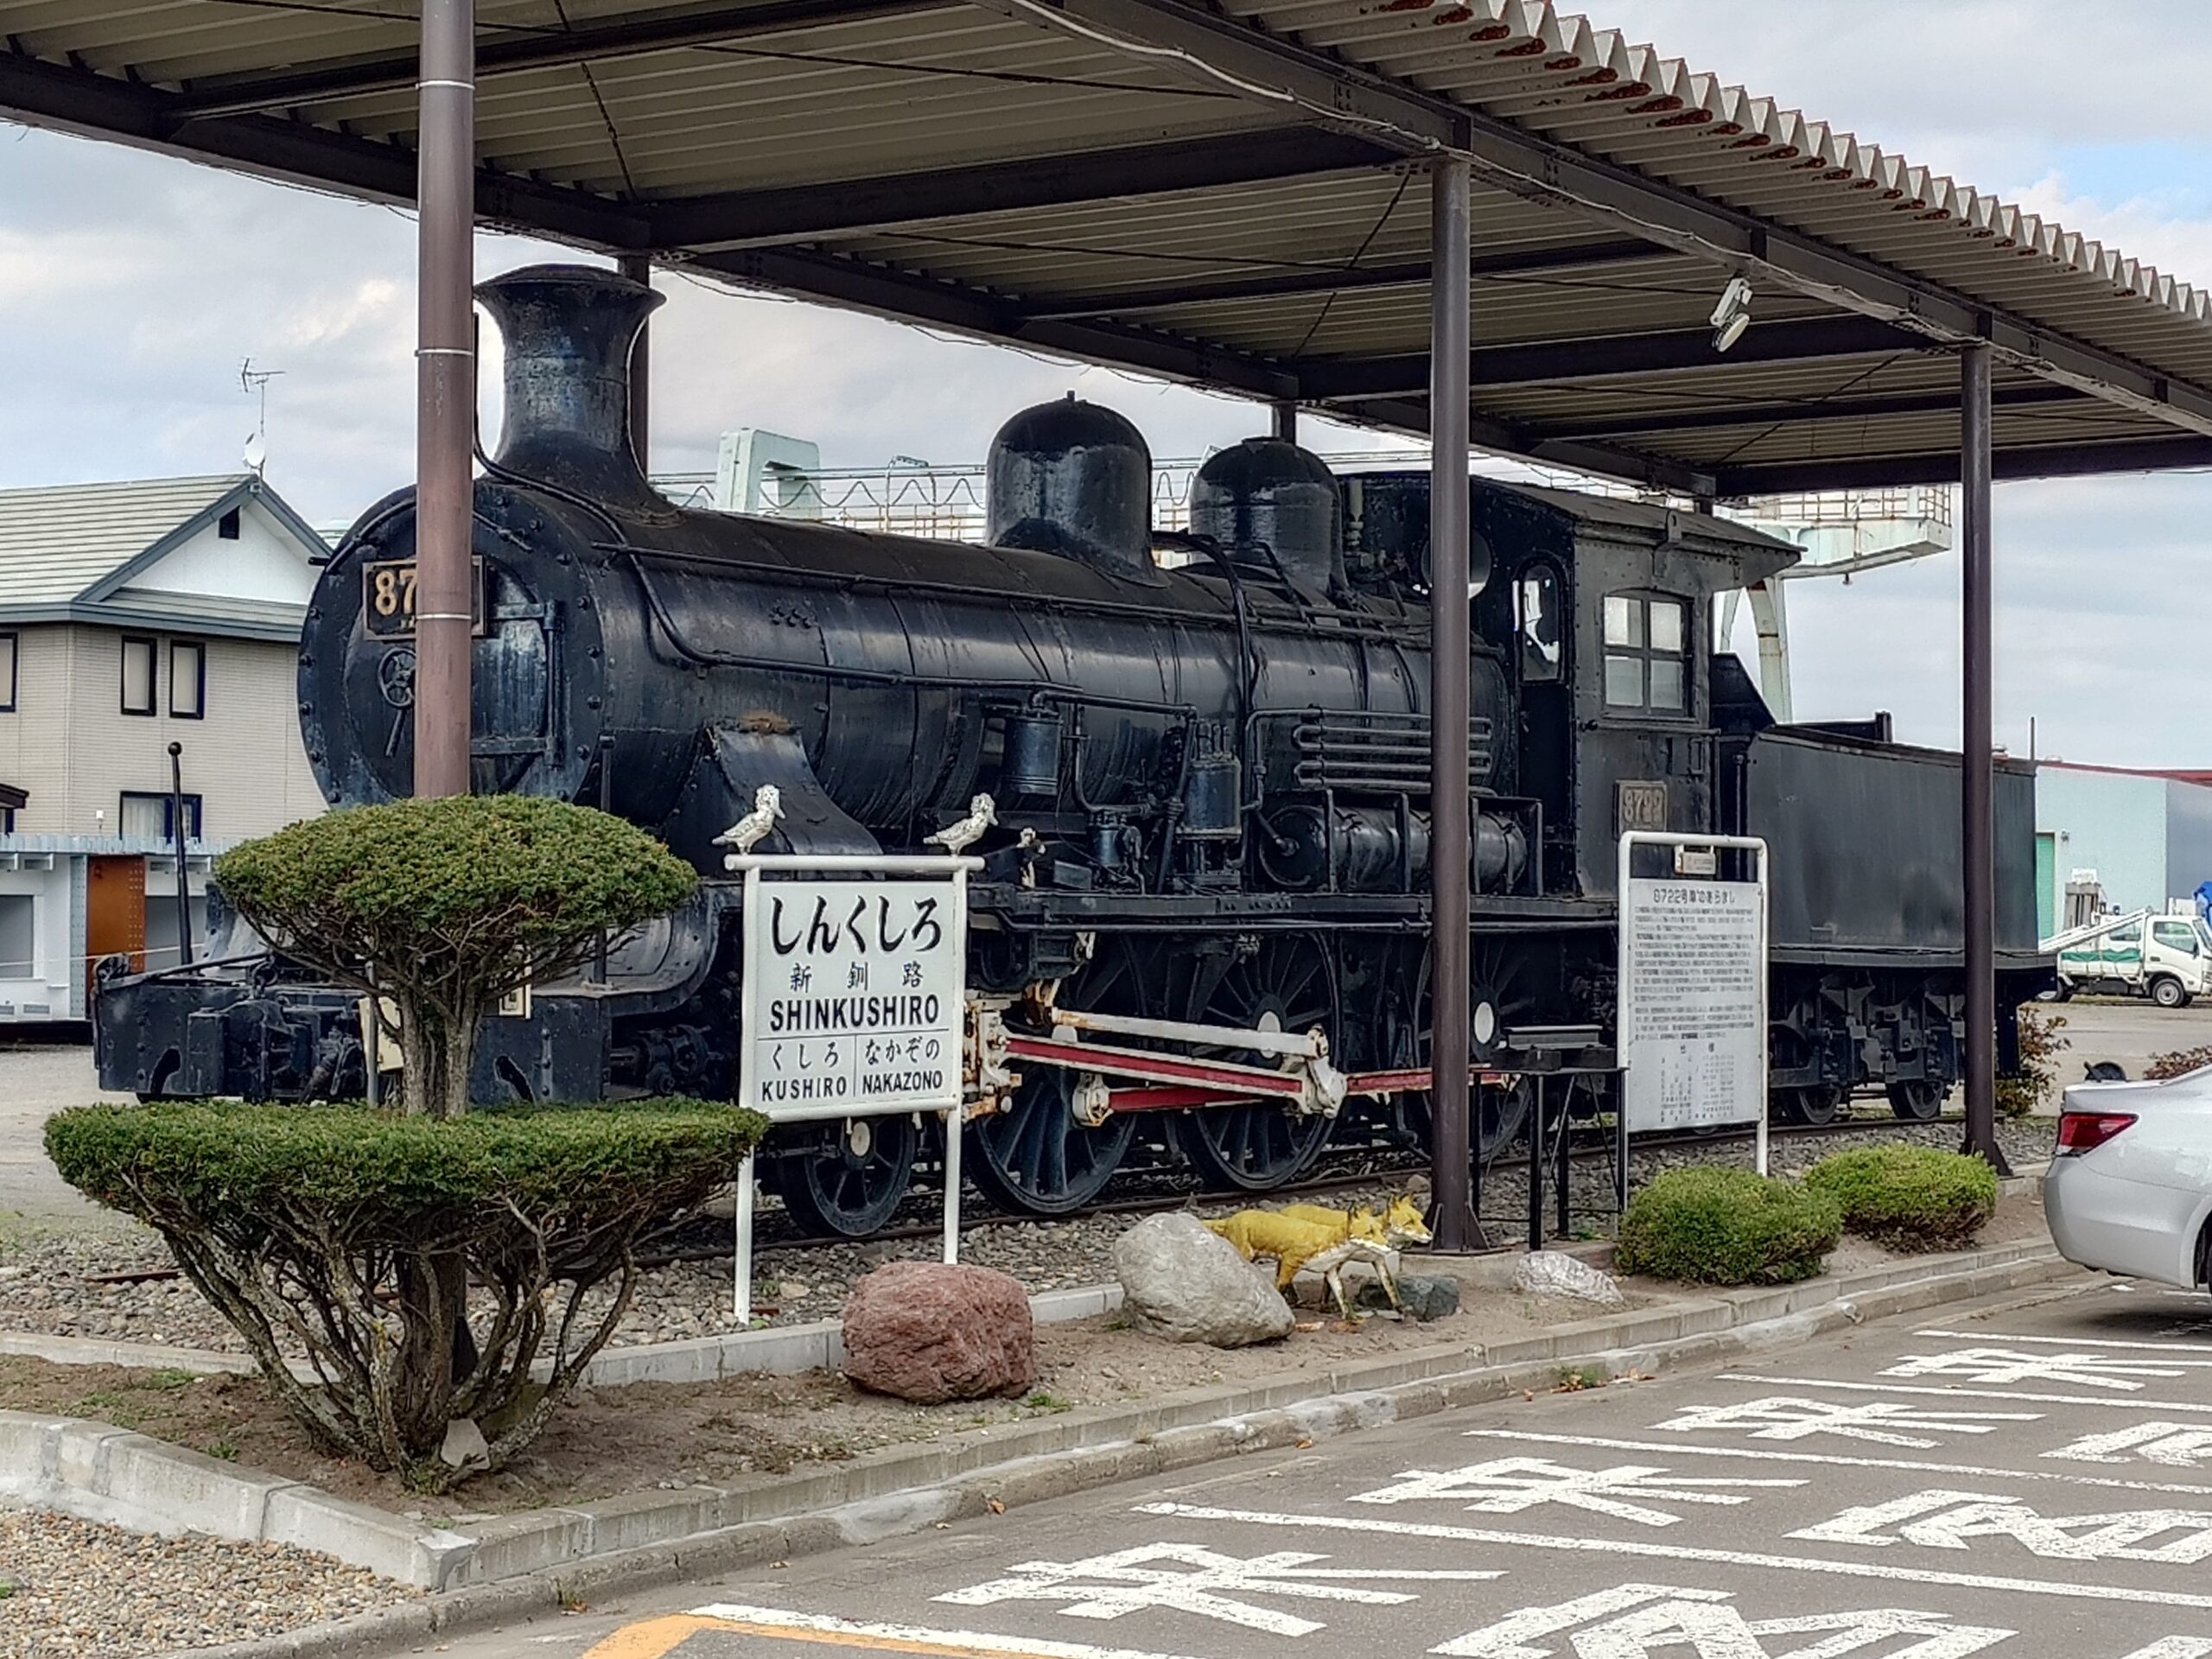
<point>1199,931</point>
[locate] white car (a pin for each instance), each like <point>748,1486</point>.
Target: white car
<point>2130,1189</point>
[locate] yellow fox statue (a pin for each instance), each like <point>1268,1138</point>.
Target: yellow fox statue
<point>1302,1235</point>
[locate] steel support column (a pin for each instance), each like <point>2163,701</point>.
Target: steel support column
<point>1978,841</point>
<point>1450,1133</point>
<point>638,267</point>
<point>445,382</point>
<point>1286,419</point>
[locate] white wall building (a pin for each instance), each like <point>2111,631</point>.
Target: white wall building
<point>134,616</point>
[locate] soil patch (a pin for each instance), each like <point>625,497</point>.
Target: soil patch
<point>610,1441</point>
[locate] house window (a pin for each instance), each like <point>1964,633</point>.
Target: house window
<point>7,820</point>
<point>7,673</point>
<point>18,935</point>
<point>226,527</point>
<point>137,675</point>
<point>1647,653</point>
<point>187,679</point>
<point>147,817</point>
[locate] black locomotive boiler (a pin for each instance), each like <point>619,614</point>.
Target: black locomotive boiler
<point>1205,844</point>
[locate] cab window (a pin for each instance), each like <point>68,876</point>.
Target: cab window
<point>2131,934</point>
<point>2176,936</point>
<point>1536,597</point>
<point>1647,652</point>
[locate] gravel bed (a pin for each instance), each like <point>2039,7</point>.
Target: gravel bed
<point>77,1588</point>
<point>44,1287</point>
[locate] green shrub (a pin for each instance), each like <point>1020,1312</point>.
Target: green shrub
<point>1909,1198</point>
<point>447,905</point>
<point>2023,1089</point>
<point>345,1235</point>
<point>1727,1227</point>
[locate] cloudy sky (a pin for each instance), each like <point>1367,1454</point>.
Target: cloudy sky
<point>132,288</point>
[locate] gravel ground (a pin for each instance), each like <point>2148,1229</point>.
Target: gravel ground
<point>77,1588</point>
<point>44,1285</point>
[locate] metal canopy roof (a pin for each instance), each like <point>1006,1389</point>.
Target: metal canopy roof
<point>1225,193</point>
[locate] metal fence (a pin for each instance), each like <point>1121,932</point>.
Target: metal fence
<point>946,503</point>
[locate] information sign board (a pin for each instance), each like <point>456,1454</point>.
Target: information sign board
<point>1692,988</point>
<point>853,998</point>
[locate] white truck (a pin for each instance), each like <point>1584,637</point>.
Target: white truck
<point>2167,959</point>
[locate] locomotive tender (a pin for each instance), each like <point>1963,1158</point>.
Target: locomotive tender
<point>1206,756</point>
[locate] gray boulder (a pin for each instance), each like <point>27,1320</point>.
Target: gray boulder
<point>1555,1273</point>
<point>1422,1297</point>
<point>1183,1282</point>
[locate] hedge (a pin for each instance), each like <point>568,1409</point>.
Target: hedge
<point>1909,1198</point>
<point>1710,1226</point>
<point>351,1236</point>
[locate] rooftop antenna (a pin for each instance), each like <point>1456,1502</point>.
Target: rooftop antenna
<point>254,384</point>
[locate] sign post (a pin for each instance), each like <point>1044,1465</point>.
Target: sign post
<point>854,1002</point>
<point>1693,985</point>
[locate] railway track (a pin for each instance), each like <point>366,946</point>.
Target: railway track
<point>1586,1147</point>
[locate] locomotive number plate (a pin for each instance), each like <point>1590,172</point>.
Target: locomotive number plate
<point>1639,803</point>
<point>388,598</point>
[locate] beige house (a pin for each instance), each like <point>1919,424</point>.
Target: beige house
<point>134,617</point>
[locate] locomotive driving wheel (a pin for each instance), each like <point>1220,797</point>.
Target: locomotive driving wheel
<point>848,1178</point>
<point>1041,1156</point>
<point>1499,997</point>
<point>1288,984</point>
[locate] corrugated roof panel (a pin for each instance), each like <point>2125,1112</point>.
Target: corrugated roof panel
<point>708,98</point>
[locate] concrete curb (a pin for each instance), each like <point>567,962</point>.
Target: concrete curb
<point>526,1565</point>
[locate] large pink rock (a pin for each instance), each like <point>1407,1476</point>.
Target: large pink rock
<point>924,1332</point>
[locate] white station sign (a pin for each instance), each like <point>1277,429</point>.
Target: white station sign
<point>1692,1000</point>
<point>853,1001</point>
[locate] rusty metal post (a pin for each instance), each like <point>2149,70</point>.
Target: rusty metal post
<point>445,382</point>
<point>1451,1148</point>
<point>1285,420</point>
<point>1977,837</point>
<point>638,267</point>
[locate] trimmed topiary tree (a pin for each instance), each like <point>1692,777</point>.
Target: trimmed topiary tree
<point>445,905</point>
<point>1709,1226</point>
<point>333,1232</point>
<point>1909,1198</point>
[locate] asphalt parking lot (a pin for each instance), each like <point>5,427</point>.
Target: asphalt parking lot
<point>2025,1477</point>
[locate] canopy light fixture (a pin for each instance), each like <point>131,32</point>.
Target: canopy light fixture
<point>1733,314</point>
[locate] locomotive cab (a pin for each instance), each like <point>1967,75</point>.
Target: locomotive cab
<point>1603,610</point>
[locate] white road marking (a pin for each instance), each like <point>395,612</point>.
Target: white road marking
<point>2176,1647</point>
<point>1633,1621</point>
<point>2062,1589</point>
<point>1190,1578</point>
<point>1952,1520</point>
<point>1513,1485</point>
<point>2184,1446</point>
<point>1022,1647</point>
<point>1915,1464</point>
<point>2081,1342</point>
<point>1781,1417</point>
<point>2084,1369</point>
<point>1965,1394</point>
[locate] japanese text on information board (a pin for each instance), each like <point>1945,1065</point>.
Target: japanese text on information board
<point>1692,1034</point>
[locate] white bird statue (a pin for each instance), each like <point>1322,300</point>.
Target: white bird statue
<point>753,827</point>
<point>982,813</point>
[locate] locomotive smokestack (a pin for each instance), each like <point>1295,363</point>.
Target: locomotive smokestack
<point>569,330</point>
